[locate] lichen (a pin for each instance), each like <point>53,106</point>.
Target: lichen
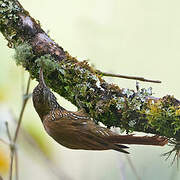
<point>8,9</point>
<point>23,54</point>
<point>75,80</point>
<point>163,116</point>
<point>48,63</point>
<point>8,19</point>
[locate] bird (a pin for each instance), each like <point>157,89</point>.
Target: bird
<point>77,130</point>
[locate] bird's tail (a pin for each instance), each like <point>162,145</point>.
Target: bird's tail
<point>139,140</point>
<point>120,148</point>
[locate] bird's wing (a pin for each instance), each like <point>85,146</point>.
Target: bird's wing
<point>80,132</point>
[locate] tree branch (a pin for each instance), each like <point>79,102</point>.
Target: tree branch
<point>83,85</point>
<point>129,77</point>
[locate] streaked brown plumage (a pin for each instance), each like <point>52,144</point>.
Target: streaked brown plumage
<point>75,130</point>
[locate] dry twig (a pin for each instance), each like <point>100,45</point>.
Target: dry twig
<point>12,141</point>
<point>129,77</point>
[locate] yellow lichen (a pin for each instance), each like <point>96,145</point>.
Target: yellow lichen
<point>177,112</point>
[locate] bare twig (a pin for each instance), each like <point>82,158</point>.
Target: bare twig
<point>13,141</point>
<point>3,141</point>
<point>16,165</point>
<point>133,168</point>
<point>11,149</point>
<point>25,99</point>
<point>175,150</point>
<point>11,165</point>
<point>8,132</point>
<point>129,77</point>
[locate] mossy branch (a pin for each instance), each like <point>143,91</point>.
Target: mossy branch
<point>83,85</point>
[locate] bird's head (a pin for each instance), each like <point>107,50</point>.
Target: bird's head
<point>44,100</point>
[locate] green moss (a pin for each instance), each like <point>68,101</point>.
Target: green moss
<point>47,62</point>
<point>8,9</point>
<point>9,19</point>
<point>23,54</point>
<point>73,80</point>
<point>164,117</point>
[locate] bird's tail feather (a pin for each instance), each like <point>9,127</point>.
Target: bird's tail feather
<point>139,140</point>
<point>120,148</point>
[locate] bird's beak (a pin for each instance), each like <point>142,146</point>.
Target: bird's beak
<point>41,77</point>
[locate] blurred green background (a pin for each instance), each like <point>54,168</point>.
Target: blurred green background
<point>132,37</point>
